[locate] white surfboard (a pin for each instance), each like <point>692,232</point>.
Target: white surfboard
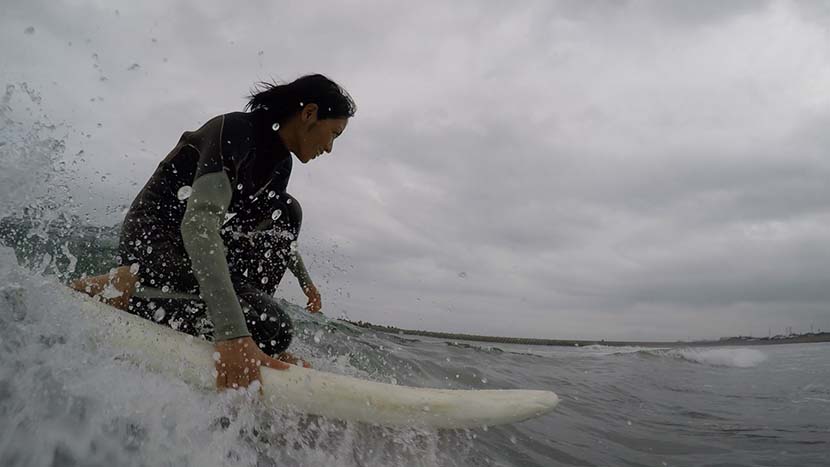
<point>315,392</point>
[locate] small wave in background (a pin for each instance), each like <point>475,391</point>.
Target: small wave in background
<point>726,357</point>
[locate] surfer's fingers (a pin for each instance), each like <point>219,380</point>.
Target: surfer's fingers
<point>221,380</point>
<point>275,364</point>
<point>236,382</point>
<point>227,378</point>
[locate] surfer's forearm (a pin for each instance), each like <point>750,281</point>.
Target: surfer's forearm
<point>295,264</point>
<point>203,218</point>
<point>297,267</point>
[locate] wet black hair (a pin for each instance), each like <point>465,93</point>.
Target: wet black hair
<point>282,101</point>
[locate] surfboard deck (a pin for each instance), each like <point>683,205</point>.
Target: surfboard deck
<point>170,352</point>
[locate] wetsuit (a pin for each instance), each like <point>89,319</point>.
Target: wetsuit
<point>211,233</point>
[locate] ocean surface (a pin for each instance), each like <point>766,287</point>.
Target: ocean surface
<point>64,402</point>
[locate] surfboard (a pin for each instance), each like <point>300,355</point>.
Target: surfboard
<point>164,350</point>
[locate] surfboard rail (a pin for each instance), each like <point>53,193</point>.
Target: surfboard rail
<point>306,390</point>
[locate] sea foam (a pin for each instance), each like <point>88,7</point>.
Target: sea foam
<point>726,357</point>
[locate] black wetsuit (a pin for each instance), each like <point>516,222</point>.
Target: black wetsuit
<point>216,202</point>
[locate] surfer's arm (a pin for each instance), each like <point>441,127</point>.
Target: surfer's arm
<point>200,227</point>
<point>297,267</point>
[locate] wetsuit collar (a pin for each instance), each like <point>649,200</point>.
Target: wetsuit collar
<point>268,142</point>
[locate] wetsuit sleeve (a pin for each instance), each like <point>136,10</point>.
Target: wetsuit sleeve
<point>211,195</point>
<point>200,231</point>
<point>297,267</point>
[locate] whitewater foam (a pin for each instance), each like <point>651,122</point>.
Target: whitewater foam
<point>29,152</point>
<point>724,357</point>
<point>65,400</point>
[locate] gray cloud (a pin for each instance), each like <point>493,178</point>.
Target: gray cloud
<point>551,169</point>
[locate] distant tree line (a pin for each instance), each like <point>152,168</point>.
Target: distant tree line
<point>738,340</point>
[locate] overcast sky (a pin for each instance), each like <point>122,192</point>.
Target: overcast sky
<point>570,169</point>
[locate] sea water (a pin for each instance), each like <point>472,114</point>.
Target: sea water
<point>67,402</point>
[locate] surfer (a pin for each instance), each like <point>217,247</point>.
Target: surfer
<point>207,240</point>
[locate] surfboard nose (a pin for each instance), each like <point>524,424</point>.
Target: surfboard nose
<point>546,400</point>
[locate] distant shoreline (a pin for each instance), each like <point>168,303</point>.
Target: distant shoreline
<point>726,341</point>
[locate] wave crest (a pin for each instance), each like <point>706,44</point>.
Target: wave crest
<point>732,357</point>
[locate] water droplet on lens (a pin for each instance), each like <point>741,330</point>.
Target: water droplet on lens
<point>184,193</point>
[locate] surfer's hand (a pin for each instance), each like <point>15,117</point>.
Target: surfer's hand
<point>314,300</point>
<point>288,357</point>
<point>238,362</point>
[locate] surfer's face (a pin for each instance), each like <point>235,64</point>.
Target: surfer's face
<point>317,136</point>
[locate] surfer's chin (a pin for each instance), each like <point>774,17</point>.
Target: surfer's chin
<point>302,159</point>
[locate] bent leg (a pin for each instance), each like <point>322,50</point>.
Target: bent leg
<point>262,255</point>
<point>185,315</point>
<point>269,324</point>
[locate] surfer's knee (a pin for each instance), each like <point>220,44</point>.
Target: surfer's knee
<point>277,337</point>
<point>290,217</point>
<point>294,211</point>
<point>270,326</point>
<point>273,334</point>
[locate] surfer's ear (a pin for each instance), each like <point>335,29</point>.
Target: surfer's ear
<point>309,113</point>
